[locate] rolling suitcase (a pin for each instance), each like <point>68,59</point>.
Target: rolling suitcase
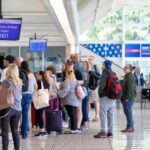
<point>54,116</point>
<point>53,121</point>
<point>33,116</point>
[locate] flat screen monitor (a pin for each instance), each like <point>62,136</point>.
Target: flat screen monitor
<point>10,28</point>
<point>36,45</point>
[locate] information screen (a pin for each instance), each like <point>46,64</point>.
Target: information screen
<point>37,45</point>
<point>10,28</point>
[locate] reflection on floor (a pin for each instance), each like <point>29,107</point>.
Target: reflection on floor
<point>139,140</point>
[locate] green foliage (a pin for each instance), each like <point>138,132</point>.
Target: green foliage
<point>110,28</point>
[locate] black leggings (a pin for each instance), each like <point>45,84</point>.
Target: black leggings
<point>12,119</point>
<point>72,113</point>
<point>40,117</point>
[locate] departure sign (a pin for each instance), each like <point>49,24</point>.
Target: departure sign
<point>10,29</point>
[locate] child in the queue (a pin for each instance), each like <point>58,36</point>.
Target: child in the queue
<point>14,82</point>
<point>69,97</point>
<point>27,98</point>
<point>43,80</point>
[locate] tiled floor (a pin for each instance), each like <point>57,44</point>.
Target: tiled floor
<point>139,140</point>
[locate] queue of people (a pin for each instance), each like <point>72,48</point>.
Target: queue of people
<point>75,111</point>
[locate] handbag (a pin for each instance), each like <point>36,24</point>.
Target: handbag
<point>41,97</point>
<point>6,97</point>
<point>81,91</point>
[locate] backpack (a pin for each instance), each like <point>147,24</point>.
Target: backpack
<point>113,87</point>
<point>93,79</point>
<point>25,80</point>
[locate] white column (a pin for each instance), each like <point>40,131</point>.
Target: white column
<point>123,37</point>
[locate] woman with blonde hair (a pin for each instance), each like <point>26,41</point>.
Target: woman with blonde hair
<point>14,113</point>
<point>69,96</point>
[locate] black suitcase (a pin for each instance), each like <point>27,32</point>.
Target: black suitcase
<point>54,121</point>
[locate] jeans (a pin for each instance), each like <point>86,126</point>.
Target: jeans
<point>107,106</point>
<point>26,101</point>
<point>72,112</point>
<point>127,107</point>
<point>12,119</point>
<point>85,102</point>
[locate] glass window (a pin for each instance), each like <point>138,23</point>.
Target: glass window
<point>34,59</point>
<point>132,32</point>
<point>53,56</point>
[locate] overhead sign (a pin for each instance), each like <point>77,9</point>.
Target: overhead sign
<point>132,50</point>
<point>10,29</point>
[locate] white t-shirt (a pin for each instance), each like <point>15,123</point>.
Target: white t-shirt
<point>3,75</point>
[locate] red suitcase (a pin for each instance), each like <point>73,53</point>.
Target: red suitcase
<point>33,116</point>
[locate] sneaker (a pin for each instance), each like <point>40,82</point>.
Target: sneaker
<point>109,135</point>
<point>73,131</point>
<point>78,130</point>
<point>85,128</point>
<point>100,135</point>
<point>65,125</point>
<point>41,134</point>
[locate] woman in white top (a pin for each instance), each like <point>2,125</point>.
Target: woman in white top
<point>27,98</point>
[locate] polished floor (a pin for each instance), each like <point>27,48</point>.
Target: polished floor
<point>139,140</point>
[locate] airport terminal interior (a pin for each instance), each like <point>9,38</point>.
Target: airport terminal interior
<point>47,32</point>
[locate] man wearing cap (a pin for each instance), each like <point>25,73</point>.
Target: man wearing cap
<point>7,60</point>
<point>106,104</point>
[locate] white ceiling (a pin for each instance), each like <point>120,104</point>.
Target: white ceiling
<point>36,19</point>
<point>39,17</point>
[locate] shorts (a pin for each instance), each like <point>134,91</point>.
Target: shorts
<point>94,95</point>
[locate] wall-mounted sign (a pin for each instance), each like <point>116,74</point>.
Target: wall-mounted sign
<point>105,50</point>
<point>132,50</point>
<point>145,50</point>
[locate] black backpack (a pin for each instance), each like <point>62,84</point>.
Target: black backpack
<point>94,77</point>
<point>25,80</point>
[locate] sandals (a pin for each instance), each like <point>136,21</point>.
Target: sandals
<point>95,119</point>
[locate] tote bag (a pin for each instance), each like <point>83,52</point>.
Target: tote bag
<point>6,97</point>
<point>41,97</point>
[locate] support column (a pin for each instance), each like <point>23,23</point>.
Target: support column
<point>70,49</point>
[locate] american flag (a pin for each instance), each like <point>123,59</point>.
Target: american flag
<point>105,50</point>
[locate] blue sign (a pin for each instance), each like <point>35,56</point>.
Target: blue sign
<point>10,29</point>
<point>132,50</point>
<point>113,50</point>
<point>145,50</point>
<point>37,45</point>
<point>105,50</point>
